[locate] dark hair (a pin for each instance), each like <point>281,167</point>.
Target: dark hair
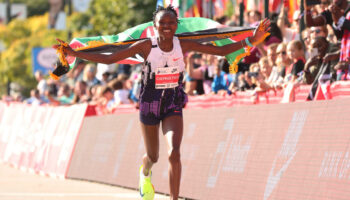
<point>170,8</point>
<point>106,89</point>
<point>274,31</point>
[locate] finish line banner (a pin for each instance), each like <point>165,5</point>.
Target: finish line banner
<point>281,151</point>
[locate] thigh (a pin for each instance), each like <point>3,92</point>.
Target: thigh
<point>172,128</point>
<point>150,135</point>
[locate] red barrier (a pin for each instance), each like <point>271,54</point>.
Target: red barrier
<point>281,151</point>
<point>40,138</point>
<point>339,89</point>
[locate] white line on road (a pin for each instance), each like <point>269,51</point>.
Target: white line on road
<point>122,195</point>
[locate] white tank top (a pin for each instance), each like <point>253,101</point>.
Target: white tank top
<point>159,59</point>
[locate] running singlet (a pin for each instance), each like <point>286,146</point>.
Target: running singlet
<point>161,86</point>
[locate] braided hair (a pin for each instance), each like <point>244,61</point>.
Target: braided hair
<point>170,8</point>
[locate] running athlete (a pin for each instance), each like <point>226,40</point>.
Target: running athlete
<point>162,96</point>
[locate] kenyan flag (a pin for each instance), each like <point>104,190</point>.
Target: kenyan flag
<point>197,29</point>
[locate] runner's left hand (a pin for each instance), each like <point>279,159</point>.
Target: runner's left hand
<point>263,27</point>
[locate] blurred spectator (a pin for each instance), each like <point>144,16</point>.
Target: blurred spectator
<point>306,36</point>
<point>334,16</point>
<point>42,85</point>
<point>323,6</point>
<point>34,98</point>
<point>245,81</point>
<point>318,31</point>
<point>106,102</point>
<point>342,23</point>
<point>296,53</point>
<point>260,50</point>
<point>262,79</point>
<point>194,86</point>
<point>331,36</point>
<point>121,93</point>
<point>289,33</point>
<point>78,70</point>
<point>104,72</point>
<point>80,92</point>
<point>282,63</point>
<point>271,54</point>
<point>65,96</point>
<point>205,72</point>
<point>50,94</point>
<point>136,79</point>
<point>124,69</point>
<point>221,81</point>
<point>89,75</point>
<point>208,70</point>
<point>254,17</point>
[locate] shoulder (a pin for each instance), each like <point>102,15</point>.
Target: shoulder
<point>144,46</point>
<point>146,43</point>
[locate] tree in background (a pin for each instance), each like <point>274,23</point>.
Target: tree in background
<point>34,7</point>
<point>111,17</point>
<point>20,36</point>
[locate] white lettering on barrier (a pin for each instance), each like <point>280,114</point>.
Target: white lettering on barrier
<point>101,147</point>
<point>188,152</point>
<point>237,155</point>
<point>287,152</point>
<point>330,167</point>
<point>218,159</point>
<point>122,147</point>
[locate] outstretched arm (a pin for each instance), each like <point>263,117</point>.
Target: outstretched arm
<point>140,47</point>
<point>259,32</point>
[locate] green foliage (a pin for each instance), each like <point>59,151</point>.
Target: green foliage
<point>103,17</point>
<point>230,9</point>
<point>19,38</point>
<point>111,16</point>
<point>34,7</point>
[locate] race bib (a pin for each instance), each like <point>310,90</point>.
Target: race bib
<point>167,77</point>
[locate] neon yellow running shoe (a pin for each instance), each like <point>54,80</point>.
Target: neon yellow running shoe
<point>145,186</point>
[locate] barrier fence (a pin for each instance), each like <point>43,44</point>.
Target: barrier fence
<point>280,151</point>
<point>276,151</point>
<point>39,138</point>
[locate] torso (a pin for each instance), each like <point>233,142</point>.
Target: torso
<point>162,75</point>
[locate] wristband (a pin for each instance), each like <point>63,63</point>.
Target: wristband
<point>248,43</point>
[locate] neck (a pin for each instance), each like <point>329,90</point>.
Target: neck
<point>165,44</point>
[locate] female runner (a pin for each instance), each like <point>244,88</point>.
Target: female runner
<point>162,97</point>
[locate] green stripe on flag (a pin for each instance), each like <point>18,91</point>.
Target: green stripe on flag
<point>231,58</point>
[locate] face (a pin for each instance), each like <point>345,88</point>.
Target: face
<point>317,32</point>
<point>265,67</point>
<point>272,55</point>
<point>282,54</point>
<point>293,52</point>
<point>166,24</point>
<point>108,95</point>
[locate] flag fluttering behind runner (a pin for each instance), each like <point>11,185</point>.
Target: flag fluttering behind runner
<point>197,29</point>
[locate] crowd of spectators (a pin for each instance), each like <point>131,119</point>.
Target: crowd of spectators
<point>287,58</point>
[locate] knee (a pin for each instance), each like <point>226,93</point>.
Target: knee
<point>174,155</point>
<point>153,158</point>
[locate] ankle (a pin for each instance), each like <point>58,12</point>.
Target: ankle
<point>145,171</point>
